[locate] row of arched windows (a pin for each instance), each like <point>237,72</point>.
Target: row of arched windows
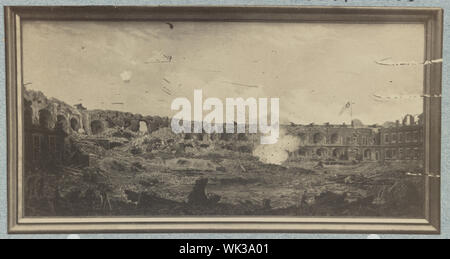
<point>335,138</point>
<point>403,153</point>
<point>402,137</point>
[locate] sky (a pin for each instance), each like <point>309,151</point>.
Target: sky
<point>314,69</point>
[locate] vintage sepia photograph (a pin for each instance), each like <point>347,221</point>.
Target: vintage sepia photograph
<point>239,118</point>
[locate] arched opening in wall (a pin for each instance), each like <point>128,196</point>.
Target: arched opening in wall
<point>302,136</point>
<point>75,124</point>
<point>302,151</point>
<point>334,138</point>
<point>317,138</point>
<point>200,137</point>
<point>394,154</point>
<point>28,116</point>
<point>45,119</point>
<point>213,137</point>
<point>416,153</point>
<point>61,123</point>
<point>367,154</point>
<point>340,153</point>
<point>357,154</point>
<point>408,154</point>
<point>321,152</point>
<point>226,136</point>
<point>126,123</point>
<point>336,153</point>
<point>377,155</point>
<point>242,137</point>
<point>97,127</point>
<point>388,154</point>
<point>134,125</point>
<point>143,128</point>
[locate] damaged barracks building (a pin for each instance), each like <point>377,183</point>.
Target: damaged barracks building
<point>49,122</point>
<point>44,143</point>
<point>398,141</point>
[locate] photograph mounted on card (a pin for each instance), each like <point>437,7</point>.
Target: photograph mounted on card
<point>224,119</point>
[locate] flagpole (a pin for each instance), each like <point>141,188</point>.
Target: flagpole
<point>351,113</point>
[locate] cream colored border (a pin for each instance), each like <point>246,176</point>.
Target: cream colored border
<point>431,18</point>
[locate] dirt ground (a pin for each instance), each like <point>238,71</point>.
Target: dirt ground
<point>148,175</point>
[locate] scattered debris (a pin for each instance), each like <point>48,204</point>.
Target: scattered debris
<point>198,194</point>
<point>319,165</point>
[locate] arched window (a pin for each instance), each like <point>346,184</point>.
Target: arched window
<point>302,136</point>
<point>388,154</point>
<point>407,153</point>
<point>28,116</point>
<point>408,137</point>
<point>367,154</point>
<point>394,153</point>
<point>143,128</point>
<point>364,140</point>
<point>97,127</point>
<point>394,137</point>
<point>415,136</point>
<point>75,124</point>
<point>416,154</point>
<point>317,138</point>
<point>334,139</point>
<point>321,152</point>
<point>386,138</point>
<point>45,119</point>
<point>61,123</point>
<point>340,154</point>
<point>302,152</point>
<point>242,137</point>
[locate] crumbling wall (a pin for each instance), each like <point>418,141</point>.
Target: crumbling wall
<point>333,135</point>
<point>126,120</point>
<point>50,113</point>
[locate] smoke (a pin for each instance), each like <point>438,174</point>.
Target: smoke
<point>277,153</point>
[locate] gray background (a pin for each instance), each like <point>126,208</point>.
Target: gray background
<point>411,3</point>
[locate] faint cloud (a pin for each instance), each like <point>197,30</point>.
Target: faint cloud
<point>126,76</point>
